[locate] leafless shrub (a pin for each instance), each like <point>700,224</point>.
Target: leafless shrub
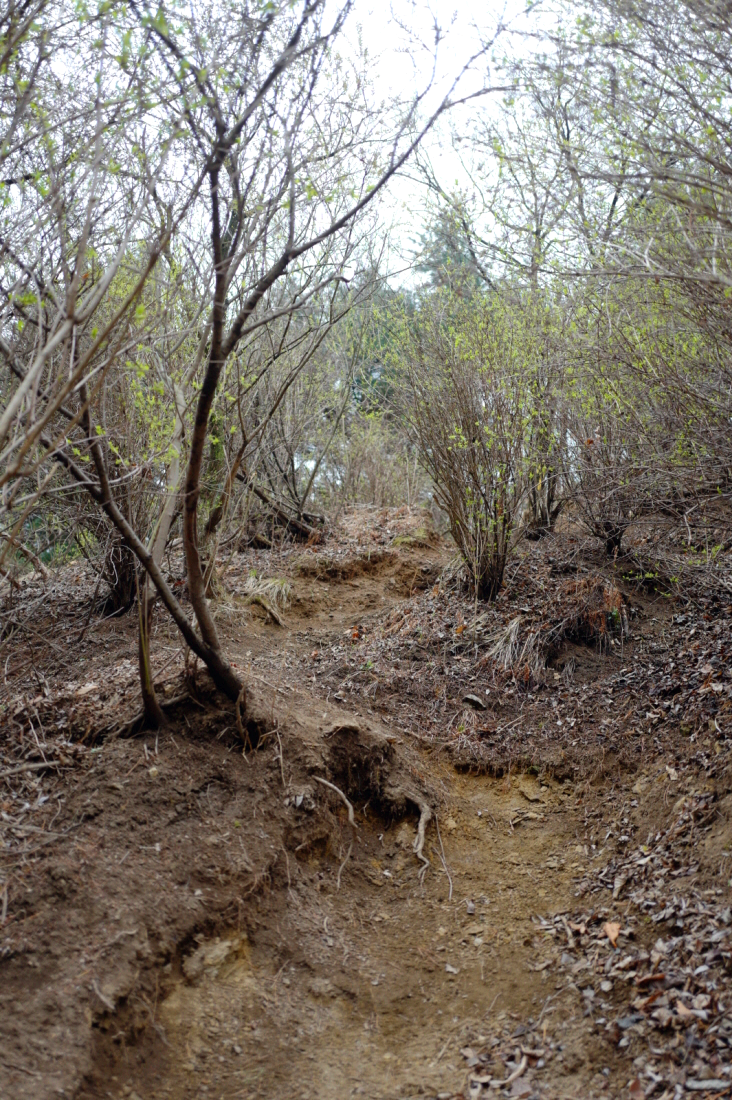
<point>466,403</point>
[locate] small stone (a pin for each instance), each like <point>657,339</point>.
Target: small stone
<point>153,772</point>
<point>471,908</point>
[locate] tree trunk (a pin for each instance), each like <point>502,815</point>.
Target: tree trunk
<point>216,359</point>
<point>152,711</point>
<point>154,716</point>
<point>613,535</point>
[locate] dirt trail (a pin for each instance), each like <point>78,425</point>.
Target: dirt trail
<point>373,989</point>
<point>209,924</point>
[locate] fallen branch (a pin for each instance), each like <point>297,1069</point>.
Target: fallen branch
<point>30,768</point>
<point>303,529</point>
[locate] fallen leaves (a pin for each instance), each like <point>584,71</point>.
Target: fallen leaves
<point>683,984</point>
<point>85,690</point>
<point>612,931</point>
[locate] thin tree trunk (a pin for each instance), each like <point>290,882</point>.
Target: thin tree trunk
<point>153,713</point>
<point>153,716</point>
<point>221,672</point>
<point>223,502</point>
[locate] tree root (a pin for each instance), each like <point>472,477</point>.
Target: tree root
<point>425,816</point>
<point>345,861</point>
<point>338,791</point>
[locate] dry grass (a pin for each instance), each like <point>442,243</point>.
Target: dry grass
<point>274,590</point>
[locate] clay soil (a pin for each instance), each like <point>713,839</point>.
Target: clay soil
<point>191,914</point>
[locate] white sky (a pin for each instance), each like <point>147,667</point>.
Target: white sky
<point>402,67</point>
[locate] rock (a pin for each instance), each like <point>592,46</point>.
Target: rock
<point>474,701</point>
<point>210,956</point>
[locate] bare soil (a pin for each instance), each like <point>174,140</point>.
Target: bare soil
<point>185,916</point>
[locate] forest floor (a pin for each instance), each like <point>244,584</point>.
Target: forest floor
<point>182,916</point>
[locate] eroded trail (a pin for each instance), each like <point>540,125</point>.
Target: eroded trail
<point>201,922</point>
<point>373,989</point>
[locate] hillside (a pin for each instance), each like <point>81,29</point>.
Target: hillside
<point>192,913</point>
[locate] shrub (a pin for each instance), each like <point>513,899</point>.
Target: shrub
<point>467,401</point>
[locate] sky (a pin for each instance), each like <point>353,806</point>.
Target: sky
<point>403,65</point>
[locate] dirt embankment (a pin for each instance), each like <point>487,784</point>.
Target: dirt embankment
<point>182,919</point>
